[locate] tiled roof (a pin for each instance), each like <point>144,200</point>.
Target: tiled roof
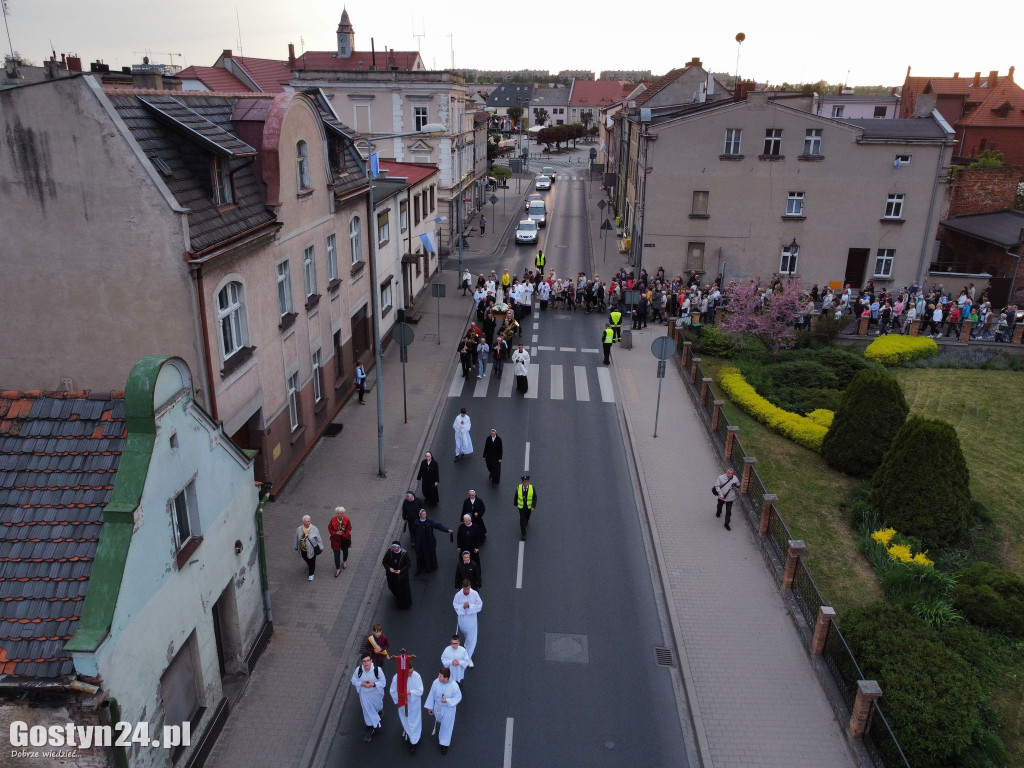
<point>912,128</point>
<point>270,75</point>
<point>413,173</point>
<point>598,93</point>
<point>1002,228</point>
<point>1003,107</point>
<point>660,84</point>
<point>207,133</point>
<point>351,177</point>
<point>360,60</point>
<point>59,454</point>
<point>511,95</point>
<point>550,97</point>
<point>214,78</point>
<point>189,164</point>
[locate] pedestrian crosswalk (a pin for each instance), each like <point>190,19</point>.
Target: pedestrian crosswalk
<point>556,383</point>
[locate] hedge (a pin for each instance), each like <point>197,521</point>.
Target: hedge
<point>894,349</point>
<point>992,597</point>
<point>801,429</point>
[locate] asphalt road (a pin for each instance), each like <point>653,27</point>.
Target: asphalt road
<point>565,665</point>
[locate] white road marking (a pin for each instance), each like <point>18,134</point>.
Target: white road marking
<point>480,390</point>
<point>582,388</point>
<point>546,349</point>
<point>595,351</point>
<point>508,740</point>
<point>507,379</point>
<point>556,382</point>
<point>526,459</point>
<point>456,388</point>
<point>519,566</point>
<point>532,375</point>
<point>604,378</point>
<point>533,351</point>
<point>534,338</point>
<point>567,349</point>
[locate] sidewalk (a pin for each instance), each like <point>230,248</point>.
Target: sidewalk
<point>288,712</point>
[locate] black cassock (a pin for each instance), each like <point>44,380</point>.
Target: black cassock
<point>470,537</point>
<point>471,571</point>
<point>411,510</point>
<point>492,457</point>
<point>428,475</point>
<point>475,510</point>
<point>398,583</point>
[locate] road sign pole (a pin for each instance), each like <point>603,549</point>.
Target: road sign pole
<point>657,408</point>
<point>605,256</point>
<point>405,402</point>
<point>439,316</point>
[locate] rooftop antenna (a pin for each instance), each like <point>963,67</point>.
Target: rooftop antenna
<point>149,52</point>
<point>302,43</point>
<point>419,35</point>
<point>238,23</point>
<point>6,11</point>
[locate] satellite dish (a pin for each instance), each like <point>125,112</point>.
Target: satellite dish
<point>740,37</point>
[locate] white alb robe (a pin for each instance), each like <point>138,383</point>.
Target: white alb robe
<point>463,442</point>
<point>444,712</point>
<point>412,722</point>
<point>467,616</point>
<point>450,655</point>
<point>370,699</point>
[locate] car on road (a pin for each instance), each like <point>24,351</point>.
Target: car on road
<point>542,182</point>
<point>526,232</point>
<point>538,213</point>
<point>548,171</point>
<point>530,198</point>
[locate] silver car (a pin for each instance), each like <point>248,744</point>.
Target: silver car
<point>526,232</point>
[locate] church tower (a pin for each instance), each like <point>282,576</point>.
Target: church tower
<point>346,36</point>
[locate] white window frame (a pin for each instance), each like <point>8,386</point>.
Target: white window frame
<point>419,118</point>
<point>386,297</point>
<point>332,257</point>
<point>302,177</point>
<point>403,215</point>
<point>231,316</point>
<point>894,206</point>
<point>184,509</point>
<point>795,204</point>
<point>772,142</point>
<point>903,159</point>
<point>317,361</point>
<point>812,142</point>
<point>293,401</point>
<point>733,141</point>
<point>383,228</point>
<point>838,110</point>
<point>883,262</point>
<point>885,111</point>
<point>355,239</point>
<point>789,261</point>
<point>284,288</point>
<point>220,172</point>
<point>309,270</point>
<point>690,259</point>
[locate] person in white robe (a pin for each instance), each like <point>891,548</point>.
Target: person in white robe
<point>369,680</point>
<point>463,441</point>
<point>441,702</point>
<point>467,604</point>
<point>455,658</point>
<point>412,723</point>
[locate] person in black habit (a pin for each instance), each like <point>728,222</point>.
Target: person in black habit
<point>397,563</point>
<point>469,538</point>
<point>492,456</point>
<point>464,356</point>
<point>411,507</point>
<point>429,477</point>
<point>489,326</point>
<point>474,507</point>
<point>467,569</point>
<point>423,541</point>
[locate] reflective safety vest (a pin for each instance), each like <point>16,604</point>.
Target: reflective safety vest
<point>540,259</point>
<point>506,280</point>
<point>609,335</point>
<point>616,317</point>
<point>529,496</point>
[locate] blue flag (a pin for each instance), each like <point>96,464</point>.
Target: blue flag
<point>439,219</point>
<point>428,243</point>
<point>375,164</point>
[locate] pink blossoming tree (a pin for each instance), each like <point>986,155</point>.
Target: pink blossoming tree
<point>770,322</point>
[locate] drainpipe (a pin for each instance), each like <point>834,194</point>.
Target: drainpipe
<point>120,753</point>
<point>262,548</point>
<point>1016,269</point>
<point>206,342</point>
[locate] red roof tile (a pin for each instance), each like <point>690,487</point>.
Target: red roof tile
<point>214,78</point>
<point>270,75</point>
<point>598,93</point>
<point>360,60</point>
<point>1003,107</point>
<point>414,173</point>
<point>660,84</point>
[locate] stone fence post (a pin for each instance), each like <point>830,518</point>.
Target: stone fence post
<point>766,513</point>
<point>748,467</point>
<point>868,691</point>
<point>687,350</point>
<point>694,370</point>
<point>1018,333</point>
<point>705,391</point>
<point>730,440</point>
<point>862,327</point>
<point>965,332</point>
<point>796,548</point>
<point>826,614</point>
<point>915,326</point>
<point>716,414</point>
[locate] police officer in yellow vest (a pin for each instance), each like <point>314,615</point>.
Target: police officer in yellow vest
<point>616,320</point>
<point>525,499</point>
<point>539,261</point>
<point>607,337</point>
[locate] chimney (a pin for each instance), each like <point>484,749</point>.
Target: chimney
<point>908,71</point>
<point>50,69</point>
<point>1009,75</point>
<point>956,75</point>
<point>226,54</point>
<point>373,55</point>
<point>694,62</point>
<point>977,80</point>
<point>291,55</point>
<point>148,80</point>
<point>74,63</point>
<point>993,78</point>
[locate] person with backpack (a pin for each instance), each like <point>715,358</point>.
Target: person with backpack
<point>368,679</point>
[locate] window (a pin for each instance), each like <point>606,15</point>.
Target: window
<point>339,367</point>
<point>223,193</point>
<point>284,288</point>
<point>883,262</point>
<point>383,228</point>
<point>901,160</point>
<point>403,215</point>
<point>185,511</point>
<point>699,207</point>
<point>773,142</point>
<point>309,271</point>
<point>695,257</point>
<point>385,298</point>
<point>837,110</point>
<point>787,266</point>
<point>419,118</point>
<point>332,257</point>
<point>180,688</point>
<point>355,240</point>
<point>432,206</point>
<point>732,141</point>
<point>416,209</point>
<point>425,203</point>
<point>795,204</point>
<point>318,376</point>
<point>234,326</point>
<point>879,112</point>
<point>362,121</point>
<point>812,141</point>
<point>894,207</point>
<point>293,401</point>
<point>302,166</point>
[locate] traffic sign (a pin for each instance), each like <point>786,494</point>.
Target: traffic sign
<point>493,199</point>
<point>607,224</point>
<point>630,297</point>
<point>662,348</point>
<point>403,334</point>
<point>593,153</point>
<point>601,204</point>
<point>648,245</point>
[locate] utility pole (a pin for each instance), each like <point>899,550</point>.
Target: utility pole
<point>459,147</point>
<point>3,7</point>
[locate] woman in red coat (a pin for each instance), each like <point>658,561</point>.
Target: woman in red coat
<point>340,530</point>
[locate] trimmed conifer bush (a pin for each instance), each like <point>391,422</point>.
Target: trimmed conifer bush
<point>992,597</point>
<point>871,411</point>
<point>921,487</point>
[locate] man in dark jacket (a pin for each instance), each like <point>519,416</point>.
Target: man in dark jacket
<point>469,538</point>
<point>425,543</point>
<point>411,507</point>
<point>474,507</point>
<point>492,457</point>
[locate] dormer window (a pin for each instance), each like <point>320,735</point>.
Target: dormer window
<point>220,181</point>
<point>302,166</point>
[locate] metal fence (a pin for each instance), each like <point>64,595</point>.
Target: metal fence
<point>808,598</point>
<point>881,744</point>
<point>841,664</point>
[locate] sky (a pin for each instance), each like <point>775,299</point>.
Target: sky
<point>867,43</point>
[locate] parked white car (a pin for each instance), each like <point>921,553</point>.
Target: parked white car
<point>526,232</point>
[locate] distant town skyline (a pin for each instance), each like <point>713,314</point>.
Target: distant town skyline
<point>871,45</point>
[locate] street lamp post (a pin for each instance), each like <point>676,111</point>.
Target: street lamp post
<point>431,129</point>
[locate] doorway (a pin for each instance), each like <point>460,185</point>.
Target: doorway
<point>361,341</point>
<point>856,262</point>
<point>230,658</point>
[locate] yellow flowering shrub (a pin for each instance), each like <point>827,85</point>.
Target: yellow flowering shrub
<point>894,349</point>
<point>884,536</point>
<point>800,429</point>
<point>822,416</point>
<point>899,552</point>
<point>921,559</point>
